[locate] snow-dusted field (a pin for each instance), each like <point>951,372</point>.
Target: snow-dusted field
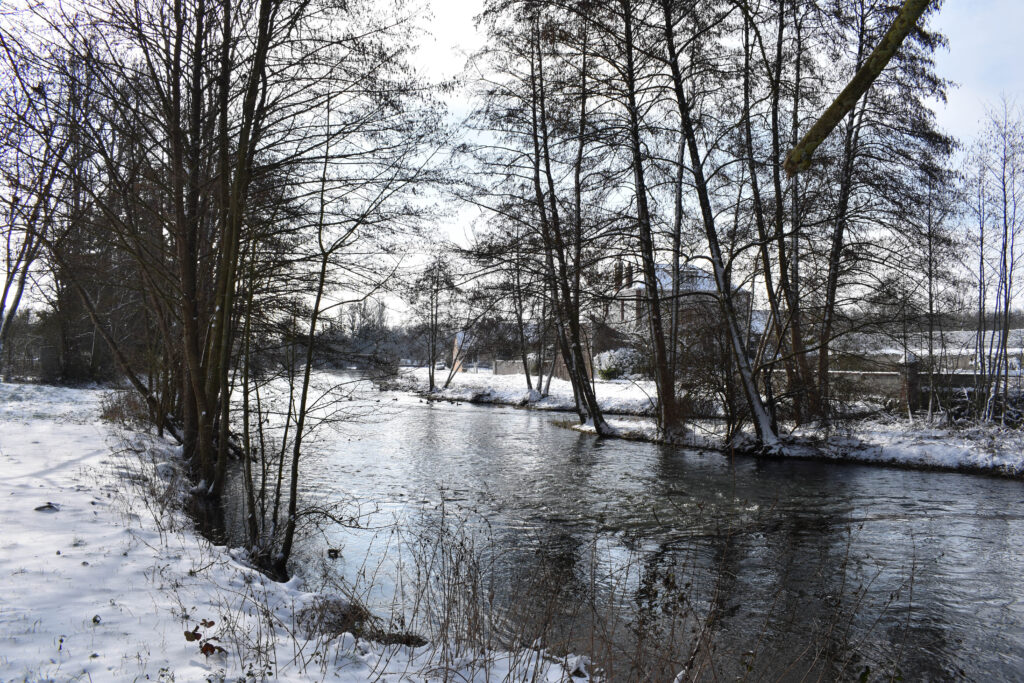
<point>621,396</point>
<point>99,582</point>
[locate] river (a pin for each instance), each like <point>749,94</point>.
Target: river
<point>652,559</point>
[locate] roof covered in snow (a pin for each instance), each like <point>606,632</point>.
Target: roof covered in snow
<point>692,279</point>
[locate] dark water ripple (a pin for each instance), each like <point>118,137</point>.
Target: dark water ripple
<point>809,567</point>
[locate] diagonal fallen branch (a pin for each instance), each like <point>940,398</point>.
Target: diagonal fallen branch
<point>800,157</point>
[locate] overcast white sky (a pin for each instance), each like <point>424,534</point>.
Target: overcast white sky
<point>986,51</point>
<point>453,34</point>
<point>986,38</point>
<point>986,44</point>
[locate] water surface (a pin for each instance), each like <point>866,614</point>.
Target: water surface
<point>764,569</point>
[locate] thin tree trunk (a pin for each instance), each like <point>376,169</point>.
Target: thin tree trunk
<point>567,323</point>
<point>670,418</point>
<point>764,239</point>
<point>762,423</point>
<point>850,144</point>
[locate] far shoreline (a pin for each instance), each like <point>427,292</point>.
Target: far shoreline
<point>884,440</point>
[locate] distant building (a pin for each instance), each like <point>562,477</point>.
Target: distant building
<point>617,316</point>
<point>625,309</point>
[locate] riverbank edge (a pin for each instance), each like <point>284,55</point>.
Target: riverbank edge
<point>801,447</point>
<point>450,395</point>
<point>490,399</point>
<point>166,573</point>
<point>812,449</point>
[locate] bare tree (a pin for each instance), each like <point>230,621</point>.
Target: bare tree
<point>34,144</point>
<point>537,109</point>
<point>994,195</point>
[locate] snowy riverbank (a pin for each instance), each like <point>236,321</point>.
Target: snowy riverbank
<point>882,440</point>
<point>886,440</point>
<point>101,581</point>
<point>891,440</point>
<point>617,397</point>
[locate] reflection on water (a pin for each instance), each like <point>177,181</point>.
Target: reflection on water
<point>679,557</point>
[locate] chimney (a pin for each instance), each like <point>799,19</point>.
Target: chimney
<point>629,275</point>
<point>618,275</point>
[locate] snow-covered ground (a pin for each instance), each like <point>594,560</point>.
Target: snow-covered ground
<point>883,440</point>
<point>897,441</point>
<point>620,396</point>
<point>708,434</point>
<point>101,581</point>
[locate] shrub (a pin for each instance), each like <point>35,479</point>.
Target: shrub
<point>619,363</point>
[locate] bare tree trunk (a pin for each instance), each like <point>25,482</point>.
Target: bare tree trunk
<point>677,238</point>
<point>281,561</point>
<point>762,423</point>
<point>835,263</point>
<point>247,448</point>
<point>233,215</point>
<point>850,144</point>
<point>517,305</point>
<point>567,320</point>
<point>980,375</point>
<point>670,419</point>
<point>764,239</point>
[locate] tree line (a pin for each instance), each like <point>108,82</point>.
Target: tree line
<point>659,132</point>
<point>204,180</point>
<point>204,195</point>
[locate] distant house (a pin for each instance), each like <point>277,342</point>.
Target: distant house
<point>625,309</point>
<point>617,318</point>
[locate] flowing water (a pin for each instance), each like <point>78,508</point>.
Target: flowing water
<point>738,567</point>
